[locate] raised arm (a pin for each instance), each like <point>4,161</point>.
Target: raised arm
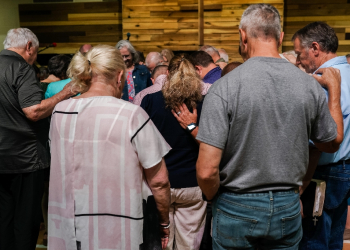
<point>157,178</point>
<point>45,108</point>
<point>331,80</point>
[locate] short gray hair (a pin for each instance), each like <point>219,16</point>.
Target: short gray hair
<point>125,43</point>
<point>261,20</point>
<point>223,54</point>
<point>18,38</point>
<point>210,50</point>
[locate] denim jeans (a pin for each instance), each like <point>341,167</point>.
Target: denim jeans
<point>329,229</point>
<point>269,220</point>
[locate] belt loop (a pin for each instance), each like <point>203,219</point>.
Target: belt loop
<point>271,195</point>
<point>343,165</point>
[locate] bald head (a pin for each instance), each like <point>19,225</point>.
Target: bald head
<point>85,48</point>
<point>152,60</point>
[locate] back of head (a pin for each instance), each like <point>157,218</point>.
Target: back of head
<point>153,58</point>
<point>85,48</point>
<point>201,58</point>
<point>126,44</point>
<point>318,32</point>
<point>212,51</point>
<point>167,54</point>
<point>18,38</point>
<point>159,70</point>
<point>58,66</point>
<point>141,57</point>
<point>103,61</point>
<point>44,73</point>
<point>229,67</point>
<point>261,21</point>
<point>183,84</point>
<point>223,54</point>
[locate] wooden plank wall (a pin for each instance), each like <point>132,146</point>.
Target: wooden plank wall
<point>336,13</point>
<point>173,24</point>
<point>72,24</point>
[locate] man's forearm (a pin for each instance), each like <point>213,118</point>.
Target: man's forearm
<point>334,106</point>
<point>45,108</point>
<point>314,156</point>
<point>207,168</point>
<point>209,185</point>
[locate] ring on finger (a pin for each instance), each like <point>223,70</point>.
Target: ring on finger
<point>178,113</point>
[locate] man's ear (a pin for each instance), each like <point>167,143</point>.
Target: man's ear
<point>315,48</point>
<point>243,35</point>
<point>281,39</point>
<point>120,76</point>
<point>29,45</point>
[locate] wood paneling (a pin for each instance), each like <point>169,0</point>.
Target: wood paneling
<point>336,13</point>
<point>174,24</point>
<point>72,24</point>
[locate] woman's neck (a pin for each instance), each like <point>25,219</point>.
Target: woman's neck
<point>99,88</point>
<point>51,78</point>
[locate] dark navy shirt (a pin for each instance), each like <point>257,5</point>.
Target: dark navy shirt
<point>181,160</point>
<point>213,75</point>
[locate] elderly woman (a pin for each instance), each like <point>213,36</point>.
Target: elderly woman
<point>187,209</point>
<point>137,76</point>
<point>99,161</point>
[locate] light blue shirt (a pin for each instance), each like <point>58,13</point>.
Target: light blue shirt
<point>55,87</point>
<point>343,153</point>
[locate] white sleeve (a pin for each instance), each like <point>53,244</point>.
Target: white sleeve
<point>148,143</point>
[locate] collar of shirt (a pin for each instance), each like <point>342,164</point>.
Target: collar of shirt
<point>160,80</point>
<point>7,52</point>
<point>213,75</point>
<point>333,62</point>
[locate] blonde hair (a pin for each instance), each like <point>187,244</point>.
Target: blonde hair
<point>101,60</point>
<point>183,84</point>
<point>168,54</point>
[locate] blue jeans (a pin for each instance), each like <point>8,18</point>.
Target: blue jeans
<point>329,229</point>
<point>268,220</point>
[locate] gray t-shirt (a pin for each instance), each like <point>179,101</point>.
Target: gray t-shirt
<point>262,114</point>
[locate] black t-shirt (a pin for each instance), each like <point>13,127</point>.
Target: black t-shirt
<point>23,144</point>
<point>182,158</point>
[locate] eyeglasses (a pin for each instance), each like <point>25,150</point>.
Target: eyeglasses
<point>126,56</point>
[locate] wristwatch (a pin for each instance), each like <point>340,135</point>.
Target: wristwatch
<point>191,127</point>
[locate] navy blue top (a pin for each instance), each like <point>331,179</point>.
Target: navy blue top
<point>181,160</point>
<point>141,78</point>
<point>213,75</point>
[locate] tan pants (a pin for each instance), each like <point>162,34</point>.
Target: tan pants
<point>187,218</point>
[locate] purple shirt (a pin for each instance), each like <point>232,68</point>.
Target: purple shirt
<point>213,75</point>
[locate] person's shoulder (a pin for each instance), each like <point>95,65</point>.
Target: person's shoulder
<point>140,67</point>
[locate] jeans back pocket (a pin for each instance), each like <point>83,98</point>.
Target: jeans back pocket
<point>291,229</point>
<point>232,231</point>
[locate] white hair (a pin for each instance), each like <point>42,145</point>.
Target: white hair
<point>210,50</point>
<point>261,20</point>
<point>223,54</point>
<point>126,44</point>
<point>18,38</point>
<point>154,57</point>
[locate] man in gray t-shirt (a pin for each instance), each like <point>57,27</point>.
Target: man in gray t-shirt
<point>254,131</point>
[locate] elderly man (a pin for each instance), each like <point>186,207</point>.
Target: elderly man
<point>138,76</point>
<point>316,45</point>
<point>214,53</point>
<point>153,59</point>
<point>223,55</point>
<point>24,154</point>
<point>254,131</point>
<point>208,71</point>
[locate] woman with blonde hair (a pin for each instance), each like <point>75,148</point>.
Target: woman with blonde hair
<point>99,162</point>
<point>187,209</point>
